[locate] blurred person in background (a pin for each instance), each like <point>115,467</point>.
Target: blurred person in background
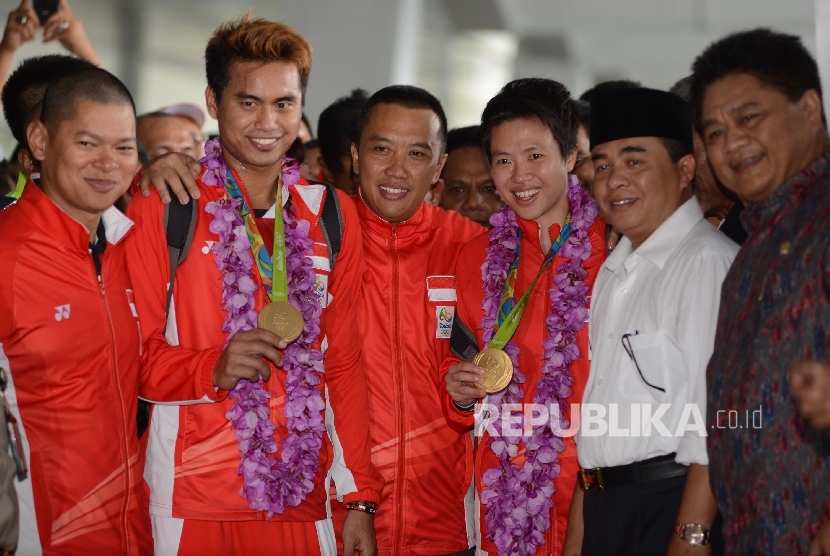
<point>194,115</point>
<point>296,151</point>
<point>305,135</point>
<point>62,26</point>
<point>466,184</point>
<point>335,133</point>
<point>175,128</point>
<point>757,104</point>
<point>715,200</point>
<point>311,168</point>
<point>584,168</point>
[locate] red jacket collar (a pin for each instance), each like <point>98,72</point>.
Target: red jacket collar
<point>378,226</point>
<point>65,230</point>
<point>531,231</point>
<point>52,220</point>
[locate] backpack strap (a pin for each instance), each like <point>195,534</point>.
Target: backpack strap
<point>331,223</point>
<point>179,226</point>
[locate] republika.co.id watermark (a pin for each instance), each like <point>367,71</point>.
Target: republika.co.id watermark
<point>643,419</point>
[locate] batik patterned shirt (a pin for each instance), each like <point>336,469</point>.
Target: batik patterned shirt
<point>770,469</point>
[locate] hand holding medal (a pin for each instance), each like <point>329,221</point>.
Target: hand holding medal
<point>498,368</point>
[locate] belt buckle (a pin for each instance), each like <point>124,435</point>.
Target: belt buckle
<point>590,477</point>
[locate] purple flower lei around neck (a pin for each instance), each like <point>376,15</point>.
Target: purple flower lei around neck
<point>517,499</point>
<point>269,484</point>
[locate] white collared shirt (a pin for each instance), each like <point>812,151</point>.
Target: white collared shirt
<point>661,302</point>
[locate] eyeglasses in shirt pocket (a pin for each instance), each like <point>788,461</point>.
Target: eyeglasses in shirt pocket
<point>657,364</point>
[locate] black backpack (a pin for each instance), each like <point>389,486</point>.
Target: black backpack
<point>179,225</point>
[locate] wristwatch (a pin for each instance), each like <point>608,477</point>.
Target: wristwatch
<point>693,533</point>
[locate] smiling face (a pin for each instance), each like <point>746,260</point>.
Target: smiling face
<point>398,159</point>
<point>529,172</point>
<point>87,161</point>
<point>468,186</point>
<point>637,186</point>
<point>259,113</point>
<point>755,137</point>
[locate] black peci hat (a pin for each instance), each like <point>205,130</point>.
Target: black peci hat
<point>639,112</point>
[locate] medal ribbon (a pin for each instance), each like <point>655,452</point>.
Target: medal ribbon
<point>509,313</point>
<point>272,269</point>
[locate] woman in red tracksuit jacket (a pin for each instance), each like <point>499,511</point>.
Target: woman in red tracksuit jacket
<point>530,138</point>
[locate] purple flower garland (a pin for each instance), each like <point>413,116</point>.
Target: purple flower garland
<point>518,500</point>
<point>270,485</point>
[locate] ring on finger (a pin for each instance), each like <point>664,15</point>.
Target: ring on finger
<point>63,26</point>
<point>22,19</point>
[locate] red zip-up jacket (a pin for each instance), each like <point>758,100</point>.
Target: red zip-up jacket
<point>70,341</point>
<point>409,293</point>
<point>529,336</point>
<point>192,456</point>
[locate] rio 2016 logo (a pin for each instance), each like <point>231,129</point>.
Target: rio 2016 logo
<point>443,321</point>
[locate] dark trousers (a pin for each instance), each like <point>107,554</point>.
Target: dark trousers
<point>636,520</point>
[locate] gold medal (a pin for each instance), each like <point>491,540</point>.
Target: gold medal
<point>283,319</point>
<point>498,369</point>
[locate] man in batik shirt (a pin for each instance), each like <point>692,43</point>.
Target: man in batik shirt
<point>757,104</point>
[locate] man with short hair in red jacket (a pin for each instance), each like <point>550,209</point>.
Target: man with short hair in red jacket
<point>409,296</point>
<point>69,333</point>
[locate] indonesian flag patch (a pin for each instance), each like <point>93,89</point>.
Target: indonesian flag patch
<point>441,288</point>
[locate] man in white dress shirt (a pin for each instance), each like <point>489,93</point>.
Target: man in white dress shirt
<point>641,444</point>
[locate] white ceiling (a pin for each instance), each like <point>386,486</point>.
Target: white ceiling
<point>653,41</point>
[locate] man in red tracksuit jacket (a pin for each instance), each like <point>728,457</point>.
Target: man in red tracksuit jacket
<point>407,310</point>
<point>69,335</point>
<point>257,73</point>
<point>524,489</point>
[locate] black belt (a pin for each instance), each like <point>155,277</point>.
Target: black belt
<point>639,472</point>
